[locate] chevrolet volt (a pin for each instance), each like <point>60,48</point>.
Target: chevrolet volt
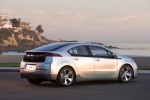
<point>66,63</point>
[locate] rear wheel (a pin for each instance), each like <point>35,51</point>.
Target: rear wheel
<point>66,77</point>
<point>33,81</point>
<point>125,74</point>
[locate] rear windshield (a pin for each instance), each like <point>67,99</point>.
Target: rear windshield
<point>51,47</point>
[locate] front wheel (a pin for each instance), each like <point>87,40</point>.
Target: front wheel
<point>66,77</point>
<point>125,74</point>
<point>33,81</point>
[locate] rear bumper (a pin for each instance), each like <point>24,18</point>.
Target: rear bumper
<point>35,75</point>
<point>41,72</point>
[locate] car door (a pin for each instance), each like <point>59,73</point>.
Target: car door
<point>105,63</point>
<point>83,62</point>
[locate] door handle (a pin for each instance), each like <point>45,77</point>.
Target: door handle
<point>97,59</point>
<point>76,58</point>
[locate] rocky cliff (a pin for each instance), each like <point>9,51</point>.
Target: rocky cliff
<point>12,40</point>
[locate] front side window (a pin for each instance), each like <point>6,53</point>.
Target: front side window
<point>79,50</point>
<point>110,54</point>
<point>98,51</point>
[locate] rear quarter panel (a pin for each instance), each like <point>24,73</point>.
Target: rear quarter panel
<point>60,62</point>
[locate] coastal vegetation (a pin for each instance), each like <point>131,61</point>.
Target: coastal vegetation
<point>20,40</point>
<point>9,64</point>
<point>40,29</point>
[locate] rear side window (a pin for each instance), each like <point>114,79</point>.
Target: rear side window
<point>78,51</point>
<point>51,47</point>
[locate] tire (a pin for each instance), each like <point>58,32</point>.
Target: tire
<point>125,74</point>
<point>66,77</point>
<point>33,81</point>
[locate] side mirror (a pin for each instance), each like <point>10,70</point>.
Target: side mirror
<point>114,56</point>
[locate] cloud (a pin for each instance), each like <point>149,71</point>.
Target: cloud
<point>64,24</point>
<point>52,20</point>
<point>82,20</point>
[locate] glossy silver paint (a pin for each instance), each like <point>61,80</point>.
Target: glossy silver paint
<point>84,67</point>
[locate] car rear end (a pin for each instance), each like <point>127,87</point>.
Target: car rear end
<point>37,63</point>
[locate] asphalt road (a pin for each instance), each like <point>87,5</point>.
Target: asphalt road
<point>12,87</point>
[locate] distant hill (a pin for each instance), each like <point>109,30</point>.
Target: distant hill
<point>21,40</point>
<point>12,40</point>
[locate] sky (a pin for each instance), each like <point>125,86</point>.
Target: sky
<point>105,21</point>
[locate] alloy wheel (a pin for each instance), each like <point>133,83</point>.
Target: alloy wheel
<point>66,77</point>
<point>125,74</point>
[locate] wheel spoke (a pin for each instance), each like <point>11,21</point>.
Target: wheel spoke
<point>64,72</point>
<point>128,74</point>
<point>126,78</point>
<point>123,71</point>
<point>65,81</point>
<point>128,69</point>
<point>70,79</point>
<point>123,75</point>
<point>69,73</point>
<point>62,76</point>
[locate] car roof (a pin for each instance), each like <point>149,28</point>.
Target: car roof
<point>82,43</point>
<point>73,44</point>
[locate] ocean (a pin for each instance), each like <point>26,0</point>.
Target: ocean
<point>140,49</point>
<point>123,49</point>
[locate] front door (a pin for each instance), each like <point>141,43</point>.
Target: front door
<point>105,63</point>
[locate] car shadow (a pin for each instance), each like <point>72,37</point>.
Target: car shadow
<point>95,82</point>
<point>84,83</point>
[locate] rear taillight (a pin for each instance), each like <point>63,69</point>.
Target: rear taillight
<point>51,54</point>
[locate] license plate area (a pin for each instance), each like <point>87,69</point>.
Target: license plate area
<point>31,67</point>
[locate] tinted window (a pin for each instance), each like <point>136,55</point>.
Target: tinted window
<point>110,54</point>
<point>98,51</point>
<point>79,50</point>
<point>51,47</point>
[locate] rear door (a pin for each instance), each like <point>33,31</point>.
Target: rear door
<point>83,62</point>
<point>105,63</point>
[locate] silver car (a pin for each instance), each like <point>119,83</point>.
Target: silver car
<point>66,63</point>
